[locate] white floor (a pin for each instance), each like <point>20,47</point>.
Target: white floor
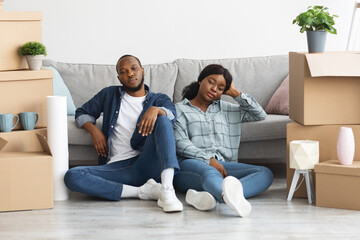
<point>84,217</point>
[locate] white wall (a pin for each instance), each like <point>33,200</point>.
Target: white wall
<point>100,31</point>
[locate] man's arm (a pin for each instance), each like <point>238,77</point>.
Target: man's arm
<point>86,116</point>
<point>98,138</point>
<point>163,107</point>
<point>91,110</point>
<point>147,122</point>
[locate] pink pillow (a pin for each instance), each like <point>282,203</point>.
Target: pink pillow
<point>279,102</point>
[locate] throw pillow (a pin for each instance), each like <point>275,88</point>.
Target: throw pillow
<point>60,89</point>
<point>279,102</point>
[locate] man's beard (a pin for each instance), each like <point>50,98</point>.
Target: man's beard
<point>134,89</point>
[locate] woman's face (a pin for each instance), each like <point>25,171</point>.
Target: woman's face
<point>212,87</point>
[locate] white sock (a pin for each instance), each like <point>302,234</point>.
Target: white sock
<point>129,192</point>
<point>167,176</point>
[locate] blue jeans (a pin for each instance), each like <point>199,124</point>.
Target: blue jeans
<point>197,175</point>
<point>106,181</point>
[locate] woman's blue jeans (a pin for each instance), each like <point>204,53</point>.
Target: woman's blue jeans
<point>197,175</point>
<point>106,181</point>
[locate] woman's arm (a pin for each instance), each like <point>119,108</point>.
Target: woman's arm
<point>249,109</point>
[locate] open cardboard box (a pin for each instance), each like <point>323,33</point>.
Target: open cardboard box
<point>337,185</point>
<point>26,180</point>
<point>326,135</point>
<point>17,28</point>
<point>324,88</point>
<point>26,91</point>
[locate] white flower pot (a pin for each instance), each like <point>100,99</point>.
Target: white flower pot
<point>316,41</point>
<point>346,146</point>
<point>34,62</point>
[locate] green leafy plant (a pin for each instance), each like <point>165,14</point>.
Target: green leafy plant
<point>316,18</point>
<point>32,48</point>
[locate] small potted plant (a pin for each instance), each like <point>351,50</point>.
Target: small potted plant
<point>317,22</point>
<point>34,53</point>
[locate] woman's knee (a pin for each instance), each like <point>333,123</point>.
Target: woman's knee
<point>267,176</point>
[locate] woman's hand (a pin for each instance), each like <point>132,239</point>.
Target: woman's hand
<point>232,91</point>
<point>98,138</point>
<point>147,123</point>
<point>218,166</point>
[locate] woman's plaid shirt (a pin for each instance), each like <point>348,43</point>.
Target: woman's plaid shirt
<point>215,133</point>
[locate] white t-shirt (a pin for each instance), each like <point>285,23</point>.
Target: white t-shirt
<point>130,110</point>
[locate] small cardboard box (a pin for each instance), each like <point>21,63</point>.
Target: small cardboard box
<point>17,28</point>
<point>26,91</point>
<point>326,135</point>
<point>337,186</point>
<point>26,180</point>
<point>324,88</point>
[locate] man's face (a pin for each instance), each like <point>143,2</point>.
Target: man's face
<point>131,74</point>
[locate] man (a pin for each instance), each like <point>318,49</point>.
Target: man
<point>136,142</point>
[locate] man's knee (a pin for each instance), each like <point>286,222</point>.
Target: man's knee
<point>72,177</point>
<point>163,122</point>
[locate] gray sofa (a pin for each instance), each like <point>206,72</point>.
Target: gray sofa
<point>261,142</point>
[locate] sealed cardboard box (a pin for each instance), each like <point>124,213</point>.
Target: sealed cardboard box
<point>326,135</point>
<point>26,91</point>
<point>26,180</point>
<point>324,88</point>
<point>17,28</point>
<point>337,186</point>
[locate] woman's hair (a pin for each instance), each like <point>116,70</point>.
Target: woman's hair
<point>192,90</point>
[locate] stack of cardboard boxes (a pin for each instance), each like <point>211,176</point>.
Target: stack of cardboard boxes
<point>25,160</point>
<point>324,96</point>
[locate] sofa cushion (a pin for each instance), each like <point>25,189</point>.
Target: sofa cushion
<point>258,76</point>
<point>60,89</point>
<point>273,127</point>
<point>279,102</point>
<point>85,80</point>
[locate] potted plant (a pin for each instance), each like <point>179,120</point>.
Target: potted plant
<point>34,53</point>
<point>317,22</point>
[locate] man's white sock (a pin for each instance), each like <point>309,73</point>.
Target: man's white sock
<point>129,192</point>
<point>167,176</point>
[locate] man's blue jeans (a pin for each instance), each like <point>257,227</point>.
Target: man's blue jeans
<point>197,175</point>
<point>106,181</point>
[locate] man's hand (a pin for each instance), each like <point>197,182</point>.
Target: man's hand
<point>218,166</point>
<point>98,138</point>
<point>232,91</point>
<point>147,123</point>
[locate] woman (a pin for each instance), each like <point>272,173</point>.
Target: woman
<point>207,134</point>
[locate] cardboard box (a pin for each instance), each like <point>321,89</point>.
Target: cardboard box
<point>337,186</point>
<point>17,28</point>
<point>26,91</point>
<point>324,88</point>
<point>327,136</point>
<point>26,180</point>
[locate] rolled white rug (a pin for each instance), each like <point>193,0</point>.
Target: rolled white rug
<point>58,142</point>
